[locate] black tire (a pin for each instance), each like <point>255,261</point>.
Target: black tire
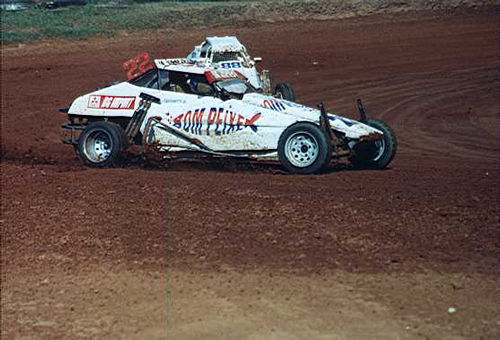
<point>369,155</point>
<point>102,144</point>
<point>303,148</point>
<point>284,91</point>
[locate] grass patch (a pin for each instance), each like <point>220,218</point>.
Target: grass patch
<point>19,36</point>
<point>75,22</point>
<point>83,21</point>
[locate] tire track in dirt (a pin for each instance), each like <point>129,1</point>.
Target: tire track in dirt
<point>426,117</point>
<point>434,124</point>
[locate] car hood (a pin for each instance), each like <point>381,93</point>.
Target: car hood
<point>351,128</point>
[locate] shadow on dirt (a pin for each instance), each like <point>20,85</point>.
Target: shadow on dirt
<point>219,165</point>
<point>137,160</point>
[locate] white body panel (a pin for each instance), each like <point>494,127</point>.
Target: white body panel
<point>253,124</point>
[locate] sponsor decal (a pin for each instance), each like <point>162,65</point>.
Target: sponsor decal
<point>343,120</point>
<point>174,101</point>
<point>172,61</point>
<point>218,121</point>
<point>273,105</point>
<point>222,74</point>
<point>111,102</point>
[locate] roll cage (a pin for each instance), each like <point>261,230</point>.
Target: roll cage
<point>213,55</point>
<point>204,84</point>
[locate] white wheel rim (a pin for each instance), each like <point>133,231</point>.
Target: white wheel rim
<point>301,149</point>
<point>98,146</point>
<point>380,144</point>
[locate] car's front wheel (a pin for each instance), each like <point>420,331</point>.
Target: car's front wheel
<point>102,144</point>
<point>303,148</point>
<point>375,154</point>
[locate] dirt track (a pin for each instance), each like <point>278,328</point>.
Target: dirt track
<point>253,254</point>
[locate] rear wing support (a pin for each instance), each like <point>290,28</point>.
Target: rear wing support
<point>324,123</point>
<point>140,114</point>
<point>361,109</point>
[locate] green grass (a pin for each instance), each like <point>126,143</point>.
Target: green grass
<point>84,21</point>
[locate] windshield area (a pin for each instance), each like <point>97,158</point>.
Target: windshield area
<point>234,88</point>
<point>148,79</point>
<point>189,83</point>
<point>174,81</point>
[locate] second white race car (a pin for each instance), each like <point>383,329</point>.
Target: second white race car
<point>185,110</point>
<point>229,53</point>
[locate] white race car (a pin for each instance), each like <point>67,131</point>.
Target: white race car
<point>228,53</point>
<point>188,110</point>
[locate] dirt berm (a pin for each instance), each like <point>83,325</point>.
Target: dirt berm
<point>284,10</point>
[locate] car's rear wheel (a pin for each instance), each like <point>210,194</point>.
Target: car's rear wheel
<point>102,144</point>
<point>303,148</point>
<point>375,154</point>
<point>284,91</point>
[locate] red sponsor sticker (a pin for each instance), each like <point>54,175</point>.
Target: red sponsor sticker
<point>111,102</point>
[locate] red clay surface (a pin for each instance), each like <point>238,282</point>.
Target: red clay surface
<point>433,78</point>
